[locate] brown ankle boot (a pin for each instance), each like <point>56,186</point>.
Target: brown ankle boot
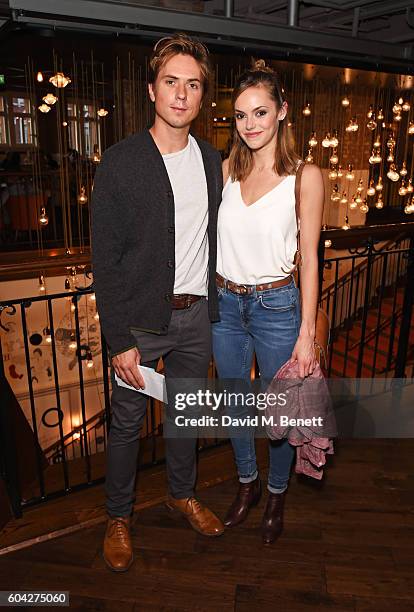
<point>117,550</point>
<point>272,523</point>
<point>248,495</point>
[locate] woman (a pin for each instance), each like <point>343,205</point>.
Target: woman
<point>260,308</point>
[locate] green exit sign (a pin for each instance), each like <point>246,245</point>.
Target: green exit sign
<point>2,79</point>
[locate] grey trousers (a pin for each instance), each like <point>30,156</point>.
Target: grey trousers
<point>186,351</point>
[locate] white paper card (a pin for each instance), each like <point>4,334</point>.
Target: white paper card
<point>154,384</point>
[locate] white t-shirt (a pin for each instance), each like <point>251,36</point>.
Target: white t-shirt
<point>187,177</point>
<point>256,244</point>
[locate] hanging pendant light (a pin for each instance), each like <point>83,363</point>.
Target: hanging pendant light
<point>379,186</point>
<point>82,197</point>
<point>346,225</point>
<point>102,112</point>
<point>379,203</point>
<point>96,158</point>
<point>312,140</point>
<point>350,173</point>
<point>67,285</point>
<point>309,157</point>
<point>334,142</point>
<point>42,284</point>
<point>353,205</point>
<point>391,140</point>
<point>398,117</point>
<point>334,158</point>
<point>411,127</point>
<point>59,80</point>
<point>370,111</point>
<point>371,188</point>
<point>403,189</point>
<point>404,171</point>
<point>333,174</point>
<point>364,208</point>
<point>344,199</point>
<point>340,172</point>
<point>89,360</point>
<point>345,102</point>
<point>390,157</point>
<point>358,199</point>
<point>43,219</point>
<point>47,335</point>
<point>306,110</point>
<point>410,187</point>
<point>393,174</point>
<point>380,114</point>
<point>72,344</point>
<point>44,108</point>
<point>372,124</point>
<point>328,243</point>
<point>50,99</point>
<point>335,195</point>
<point>406,106</point>
<point>360,187</point>
<point>396,109</point>
<point>375,157</point>
<point>377,143</point>
<point>326,142</point>
<point>39,77</point>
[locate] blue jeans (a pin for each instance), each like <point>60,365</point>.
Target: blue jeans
<point>265,323</point>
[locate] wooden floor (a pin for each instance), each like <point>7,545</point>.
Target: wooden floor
<point>348,545</point>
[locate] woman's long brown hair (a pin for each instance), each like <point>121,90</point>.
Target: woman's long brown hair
<point>241,156</point>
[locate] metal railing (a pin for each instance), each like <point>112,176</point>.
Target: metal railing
<point>66,414</point>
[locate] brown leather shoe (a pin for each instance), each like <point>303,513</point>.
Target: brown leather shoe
<point>272,523</point>
<point>248,495</point>
<point>117,549</point>
<point>200,517</point>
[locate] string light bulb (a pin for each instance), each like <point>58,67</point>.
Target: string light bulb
<point>409,208</point>
<point>82,197</point>
<point>47,335</point>
<point>326,142</point>
<point>44,108</point>
<point>370,111</point>
<point>411,127</point>
<point>379,186</point>
<point>398,117</point>
<point>346,225</point>
<point>410,187</point>
<point>379,203</point>
<point>334,140</point>
<point>96,158</point>
<point>306,110</point>
<point>345,102</point>
<point>43,219</point>
<point>312,140</point>
<point>371,188</point>
<point>39,77</point>
<point>377,143</point>
<point>360,187</point>
<point>397,107</point>
<point>406,106</point>
<point>390,157</point>
<point>404,171</point>
<point>333,174</point>
<point>364,208</point>
<point>403,189</point>
<point>380,114</point>
<point>375,157</point>
<point>340,172</point>
<point>72,344</point>
<point>335,195</point>
<point>353,205</point>
<point>334,157</point>
<point>42,284</point>
<point>392,173</point>
<point>391,140</point>
<point>350,173</point>
<point>89,360</point>
<point>50,99</point>
<point>328,243</point>
<point>372,124</point>
<point>309,157</point>
<point>344,199</point>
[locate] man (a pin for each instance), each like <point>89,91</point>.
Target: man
<point>154,217</point>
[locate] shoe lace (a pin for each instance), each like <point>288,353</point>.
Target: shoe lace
<point>194,504</point>
<point>119,529</point>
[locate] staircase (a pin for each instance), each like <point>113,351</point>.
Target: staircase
<point>380,344</point>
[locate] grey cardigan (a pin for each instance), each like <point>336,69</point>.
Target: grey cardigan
<point>133,238</point>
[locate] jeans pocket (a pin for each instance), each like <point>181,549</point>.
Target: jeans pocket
<point>279,301</point>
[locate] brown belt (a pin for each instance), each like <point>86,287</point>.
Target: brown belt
<point>183,300</point>
<point>247,289</point>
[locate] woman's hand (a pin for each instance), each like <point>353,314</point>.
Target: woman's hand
<point>304,354</point>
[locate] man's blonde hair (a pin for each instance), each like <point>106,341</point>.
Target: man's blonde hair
<point>183,44</point>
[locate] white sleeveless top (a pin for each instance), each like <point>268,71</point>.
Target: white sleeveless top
<point>257,243</point>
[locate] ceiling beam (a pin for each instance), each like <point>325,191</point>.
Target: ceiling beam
<point>292,41</point>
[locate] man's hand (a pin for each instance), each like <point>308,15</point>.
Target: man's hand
<point>126,367</point>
